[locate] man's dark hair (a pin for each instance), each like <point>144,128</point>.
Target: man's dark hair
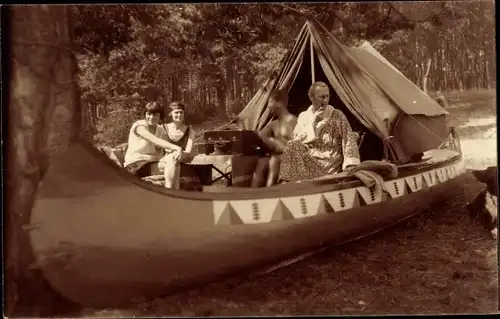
<point>279,96</point>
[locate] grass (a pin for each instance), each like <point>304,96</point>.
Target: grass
<point>439,262</point>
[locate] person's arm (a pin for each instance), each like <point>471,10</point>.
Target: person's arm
<point>189,151</point>
<point>143,132</point>
<point>266,135</point>
<point>349,144</point>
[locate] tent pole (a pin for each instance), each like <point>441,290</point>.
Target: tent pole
<point>313,75</point>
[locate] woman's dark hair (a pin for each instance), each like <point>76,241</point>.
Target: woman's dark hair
<point>177,105</point>
<point>153,108</point>
<point>279,96</point>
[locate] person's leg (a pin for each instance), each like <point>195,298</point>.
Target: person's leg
<point>171,171</point>
<point>274,170</point>
<point>140,169</point>
<point>156,169</point>
<point>260,171</point>
<point>172,175</point>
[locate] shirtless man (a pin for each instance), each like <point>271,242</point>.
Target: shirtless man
<point>275,135</point>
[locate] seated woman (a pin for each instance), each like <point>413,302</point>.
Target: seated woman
<point>275,134</point>
<point>182,136</point>
<point>145,144</point>
<point>323,141</point>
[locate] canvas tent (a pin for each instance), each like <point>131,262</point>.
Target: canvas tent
<point>376,98</point>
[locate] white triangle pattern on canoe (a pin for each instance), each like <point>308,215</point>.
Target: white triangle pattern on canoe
<point>218,207</point>
<point>341,200</point>
<point>446,173</point>
<point>262,210</point>
<point>370,195</point>
<point>414,182</point>
<point>430,177</point>
<point>450,171</point>
<point>303,206</point>
<point>396,187</point>
<point>255,211</point>
<point>442,175</point>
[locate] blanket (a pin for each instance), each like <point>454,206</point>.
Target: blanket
<point>372,173</point>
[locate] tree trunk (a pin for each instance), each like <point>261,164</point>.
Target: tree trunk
<point>43,116</point>
<point>175,86</point>
<point>221,106</point>
<point>425,76</point>
<point>487,75</point>
<point>229,86</point>
<point>220,97</point>
<point>238,93</point>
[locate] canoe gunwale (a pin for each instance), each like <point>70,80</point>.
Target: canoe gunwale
<point>236,193</point>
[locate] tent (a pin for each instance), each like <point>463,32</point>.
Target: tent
<point>396,117</point>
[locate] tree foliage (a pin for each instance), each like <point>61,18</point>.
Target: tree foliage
<point>214,56</point>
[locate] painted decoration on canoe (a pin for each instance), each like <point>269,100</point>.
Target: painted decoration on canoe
<point>342,200</point>
<point>451,171</point>
<point>234,212</point>
<point>372,195</point>
<point>442,174</point>
<point>415,183</point>
<point>257,211</point>
<point>396,188</point>
<point>430,178</point>
<point>303,206</point>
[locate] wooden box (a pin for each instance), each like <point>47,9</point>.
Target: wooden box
<point>204,148</point>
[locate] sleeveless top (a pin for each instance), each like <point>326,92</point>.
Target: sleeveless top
<point>182,142</point>
<point>139,149</point>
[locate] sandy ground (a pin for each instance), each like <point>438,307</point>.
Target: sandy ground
<point>439,262</point>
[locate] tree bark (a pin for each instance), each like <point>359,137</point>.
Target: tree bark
<point>425,76</point>
<point>43,117</point>
<point>175,86</point>
<point>238,93</point>
<point>229,87</point>
<point>222,106</point>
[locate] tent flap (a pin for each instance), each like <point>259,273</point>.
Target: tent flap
<point>399,88</point>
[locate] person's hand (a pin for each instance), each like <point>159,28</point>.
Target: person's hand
<point>348,168</point>
<point>177,156</point>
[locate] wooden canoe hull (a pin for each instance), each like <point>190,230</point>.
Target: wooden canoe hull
<point>103,241</point>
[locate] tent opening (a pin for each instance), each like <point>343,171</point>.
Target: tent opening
<point>371,147</point>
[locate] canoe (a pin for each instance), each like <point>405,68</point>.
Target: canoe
<point>104,238</point>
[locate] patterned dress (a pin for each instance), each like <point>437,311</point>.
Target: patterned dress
<point>323,144</point>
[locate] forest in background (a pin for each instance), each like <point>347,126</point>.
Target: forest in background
<point>214,56</point>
